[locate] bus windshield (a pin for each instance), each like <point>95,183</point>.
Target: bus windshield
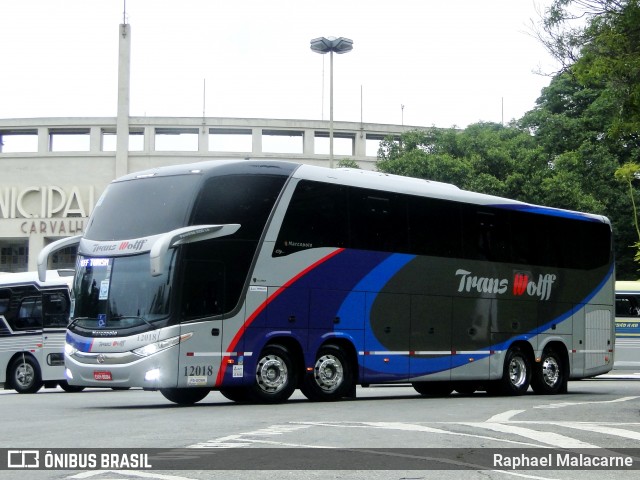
<point>162,202</point>
<point>118,293</point>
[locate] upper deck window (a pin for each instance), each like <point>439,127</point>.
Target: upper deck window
<point>142,207</point>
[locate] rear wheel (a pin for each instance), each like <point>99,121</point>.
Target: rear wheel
<point>24,375</point>
<point>275,378</point>
<point>433,389</point>
<point>184,396</point>
<point>516,375</point>
<point>332,376</point>
<point>549,375</point>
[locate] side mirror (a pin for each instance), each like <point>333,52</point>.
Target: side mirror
<point>182,236</point>
<point>46,252</point>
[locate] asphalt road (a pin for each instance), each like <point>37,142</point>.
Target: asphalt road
<point>601,413</point>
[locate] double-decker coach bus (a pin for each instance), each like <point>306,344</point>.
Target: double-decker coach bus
<point>33,322</point>
<point>257,278</point>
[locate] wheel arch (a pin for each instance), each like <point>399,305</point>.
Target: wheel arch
<point>346,345</point>
<point>526,348</point>
<point>558,346</point>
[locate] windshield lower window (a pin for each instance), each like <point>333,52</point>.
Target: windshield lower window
<point>119,293</point>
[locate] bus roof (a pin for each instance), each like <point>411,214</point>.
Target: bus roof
<point>428,188</point>
<point>55,278</point>
<point>357,178</point>
<point>627,286</point>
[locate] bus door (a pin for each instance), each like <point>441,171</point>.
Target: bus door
<point>203,299</point>
<point>55,316</point>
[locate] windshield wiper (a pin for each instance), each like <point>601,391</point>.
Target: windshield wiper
<point>73,322</point>
<point>121,317</point>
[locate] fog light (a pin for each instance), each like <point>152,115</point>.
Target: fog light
<point>68,374</point>
<point>152,375</point>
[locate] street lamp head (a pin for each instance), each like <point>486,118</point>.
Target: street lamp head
<point>331,44</point>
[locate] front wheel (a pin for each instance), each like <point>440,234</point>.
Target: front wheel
<point>25,375</point>
<point>332,376</point>
<point>184,396</point>
<point>64,385</point>
<point>237,394</point>
<point>275,378</point>
<point>549,375</point>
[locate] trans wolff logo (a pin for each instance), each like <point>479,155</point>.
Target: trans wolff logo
<point>523,283</point>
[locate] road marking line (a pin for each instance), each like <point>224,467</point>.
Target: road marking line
<point>133,473</point>
<point>504,416</point>
<point>617,432</point>
<point>572,404</point>
<point>547,438</point>
<point>420,428</point>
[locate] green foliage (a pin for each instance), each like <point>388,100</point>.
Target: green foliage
<point>348,163</point>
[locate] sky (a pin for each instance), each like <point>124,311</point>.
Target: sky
<point>425,63</point>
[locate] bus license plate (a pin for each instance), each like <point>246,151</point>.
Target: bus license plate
<point>102,375</point>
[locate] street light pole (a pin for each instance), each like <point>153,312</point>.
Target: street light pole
<point>330,45</point>
<point>331,109</point>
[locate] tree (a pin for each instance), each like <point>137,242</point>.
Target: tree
<point>348,163</point>
<point>626,174</point>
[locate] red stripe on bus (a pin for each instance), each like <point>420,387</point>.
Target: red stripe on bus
<point>260,309</point>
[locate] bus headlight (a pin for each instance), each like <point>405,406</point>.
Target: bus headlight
<point>69,349</point>
<point>152,375</point>
<point>161,345</point>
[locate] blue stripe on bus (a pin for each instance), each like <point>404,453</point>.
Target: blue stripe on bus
<point>83,344</point>
<point>547,211</point>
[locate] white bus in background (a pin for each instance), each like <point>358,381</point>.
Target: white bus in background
<point>33,321</point>
<point>627,326</point>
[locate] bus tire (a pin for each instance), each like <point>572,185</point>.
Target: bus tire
<point>516,375</point>
<point>275,376</point>
<point>237,394</point>
<point>466,388</point>
<point>331,378</point>
<point>24,373</point>
<point>549,376</point>
<point>433,389</point>
<point>64,385</point>
<point>184,396</point>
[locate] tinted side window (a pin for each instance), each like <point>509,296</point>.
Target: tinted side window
<point>5,296</point>
<point>29,314</point>
<point>486,234</point>
<point>546,240</point>
<point>55,309</point>
<point>204,289</point>
<point>378,220</point>
<point>435,227</point>
<point>627,306</point>
<point>316,217</point>
<point>244,199</point>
